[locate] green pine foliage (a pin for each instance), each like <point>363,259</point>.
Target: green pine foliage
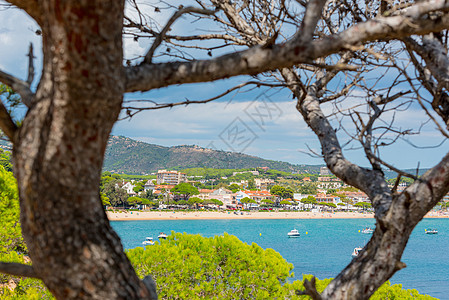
<point>5,160</point>
<point>281,191</point>
<point>222,267</point>
<point>184,190</point>
<point>10,234</point>
<point>12,246</point>
<point>395,291</point>
<point>27,289</point>
<point>386,292</point>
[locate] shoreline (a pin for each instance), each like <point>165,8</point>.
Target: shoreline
<point>228,215</point>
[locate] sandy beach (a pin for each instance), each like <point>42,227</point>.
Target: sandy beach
<point>214,215</point>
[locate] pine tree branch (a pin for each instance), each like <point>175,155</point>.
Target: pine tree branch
<point>16,269</point>
<point>19,86</point>
<point>7,125</point>
<point>407,22</point>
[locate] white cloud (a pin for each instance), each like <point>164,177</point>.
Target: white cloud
<point>17,31</point>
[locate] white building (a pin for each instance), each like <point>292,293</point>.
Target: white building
<point>324,171</point>
<point>128,187</point>
<point>255,173</point>
<point>149,186</point>
<point>263,183</point>
<point>170,177</point>
<point>226,196</point>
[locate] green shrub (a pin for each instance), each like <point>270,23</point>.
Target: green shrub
<point>222,267</point>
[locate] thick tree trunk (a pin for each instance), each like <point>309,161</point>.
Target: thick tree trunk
<point>59,154</point>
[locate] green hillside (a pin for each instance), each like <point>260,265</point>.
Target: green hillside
<point>124,155</point>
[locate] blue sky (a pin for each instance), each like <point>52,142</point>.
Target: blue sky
<point>264,123</point>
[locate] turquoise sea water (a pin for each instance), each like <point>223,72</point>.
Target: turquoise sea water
<point>324,251</point>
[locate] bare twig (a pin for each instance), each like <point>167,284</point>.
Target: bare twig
<point>393,168</point>
<point>31,58</point>
<point>211,36</point>
<point>418,97</point>
<point>426,80</point>
<point>366,134</point>
<point>381,100</point>
<point>336,67</point>
<point>343,92</point>
<point>187,101</point>
<point>160,37</point>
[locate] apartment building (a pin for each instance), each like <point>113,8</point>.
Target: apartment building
<point>324,171</point>
<point>327,198</point>
<point>170,177</point>
<point>263,183</point>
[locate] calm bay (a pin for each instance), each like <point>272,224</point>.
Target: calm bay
<point>324,248</point>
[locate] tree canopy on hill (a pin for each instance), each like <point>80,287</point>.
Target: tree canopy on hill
<point>184,191</point>
<point>281,191</point>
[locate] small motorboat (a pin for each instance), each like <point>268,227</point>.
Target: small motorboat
<point>162,236</point>
<point>356,251</point>
<point>148,241</point>
<point>431,231</point>
<point>367,230</point>
<point>293,233</point>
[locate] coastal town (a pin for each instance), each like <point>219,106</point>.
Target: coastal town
<point>256,189</point>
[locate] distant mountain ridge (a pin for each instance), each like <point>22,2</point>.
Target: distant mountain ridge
<point>125,155</point>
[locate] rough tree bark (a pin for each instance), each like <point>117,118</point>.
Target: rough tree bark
<point>58,154</point>
<point>58,151</point>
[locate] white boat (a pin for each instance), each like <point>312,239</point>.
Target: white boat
<point>356,251</point>
<point>162,235</point>
<point>293,233</point>
<point>431,231</point>
<point>148,241</point>
<point>367,230</point>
